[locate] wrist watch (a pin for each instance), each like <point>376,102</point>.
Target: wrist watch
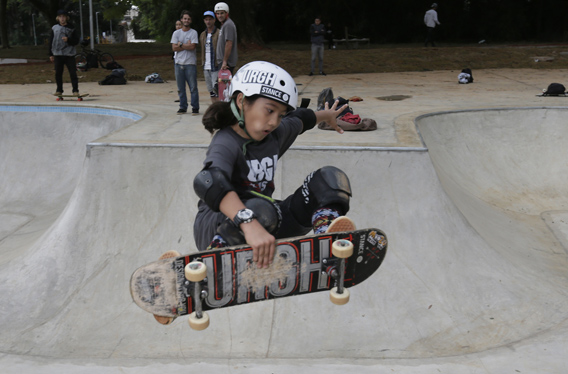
<point>180,44</point>
<point>243,216</point>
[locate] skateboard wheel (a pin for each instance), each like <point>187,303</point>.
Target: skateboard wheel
<point>198,323</point>
<point>59,99</point>
<point>339,298</point>
<point>195,271</point>
<point>80,99</point>
<point>342,248</point>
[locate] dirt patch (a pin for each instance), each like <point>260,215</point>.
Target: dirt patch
<point>296,60</point>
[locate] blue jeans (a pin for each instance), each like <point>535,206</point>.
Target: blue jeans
<point>317,52</point>
<point>187,73</point>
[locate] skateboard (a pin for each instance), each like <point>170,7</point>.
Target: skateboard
<point>226,277</point>
<point>79,98</point>
<point>224,84</point>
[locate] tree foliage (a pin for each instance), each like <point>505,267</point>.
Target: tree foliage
<point>261,21</point>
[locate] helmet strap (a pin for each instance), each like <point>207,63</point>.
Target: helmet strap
<point>241,118</point>
<point>238,114</point>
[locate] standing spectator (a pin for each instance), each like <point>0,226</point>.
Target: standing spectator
<point>184,41</point>
<point>227,46</point>
<point>208,39</point>
<point>62,41</point>
<point>178,26</point>
<point>317,34</point>
<point>431,20</point>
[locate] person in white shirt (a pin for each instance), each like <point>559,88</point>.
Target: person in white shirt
<point>184,43</point>
<point>431,20</point>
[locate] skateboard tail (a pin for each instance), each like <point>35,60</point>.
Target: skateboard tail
<point>153,287</point>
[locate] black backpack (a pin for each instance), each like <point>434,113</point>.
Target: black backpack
<point>554,89</point>
<point>114,78</point>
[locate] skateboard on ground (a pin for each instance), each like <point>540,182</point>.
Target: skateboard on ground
<point>79,98</point>
<point>224,84</point>
<point>227,277</point>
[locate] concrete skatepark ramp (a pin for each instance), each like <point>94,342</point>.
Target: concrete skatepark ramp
<point>475,280</point>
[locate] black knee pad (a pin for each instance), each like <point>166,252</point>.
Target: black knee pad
<point>326,187</point>
<point>267,213</point>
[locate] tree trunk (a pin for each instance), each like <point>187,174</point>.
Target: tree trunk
<point>4,24</point>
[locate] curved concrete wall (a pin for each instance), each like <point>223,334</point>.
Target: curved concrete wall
<point>446,288</point>
<point>42,150</point>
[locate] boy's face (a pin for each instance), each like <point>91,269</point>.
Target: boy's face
<point>62,19</point>
<point>209,21</point>
<point>261,117</point>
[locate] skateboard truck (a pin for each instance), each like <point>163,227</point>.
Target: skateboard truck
<point>196,272</point>
<point>341,249</point>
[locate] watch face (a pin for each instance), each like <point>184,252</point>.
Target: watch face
<point>245,214</point>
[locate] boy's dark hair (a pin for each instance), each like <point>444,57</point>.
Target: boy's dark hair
<point>183,12</point>
<point>219,114</point>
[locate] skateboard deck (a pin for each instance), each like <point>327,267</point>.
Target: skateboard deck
<point>79,98</point>
<point>301,265</point>
<point>224,84</point>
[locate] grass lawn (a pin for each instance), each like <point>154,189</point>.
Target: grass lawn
<point>141,59</point>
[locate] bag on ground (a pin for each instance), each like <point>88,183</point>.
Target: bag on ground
<point>117,77</point>
<point>466,76</point>
<point>554,89</point>
<point>154,78</point>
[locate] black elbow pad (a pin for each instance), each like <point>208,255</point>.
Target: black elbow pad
<point>211,185</point>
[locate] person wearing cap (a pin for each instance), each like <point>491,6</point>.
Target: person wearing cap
<point>62,41</point>
<point>208,40</point>
<point>251,133</point>
<point>227,54</point>
<point>431,20</point>
<point>184,42</point>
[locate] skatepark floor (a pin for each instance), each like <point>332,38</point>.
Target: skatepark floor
<point>469,182</point>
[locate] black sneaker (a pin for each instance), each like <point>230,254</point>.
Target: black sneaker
<point>194,112</point>
<point>182,111</point>
<point>322,73</point>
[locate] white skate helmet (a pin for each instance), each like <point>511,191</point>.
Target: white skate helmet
<point>222,6</point>
<point>267,80</point>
